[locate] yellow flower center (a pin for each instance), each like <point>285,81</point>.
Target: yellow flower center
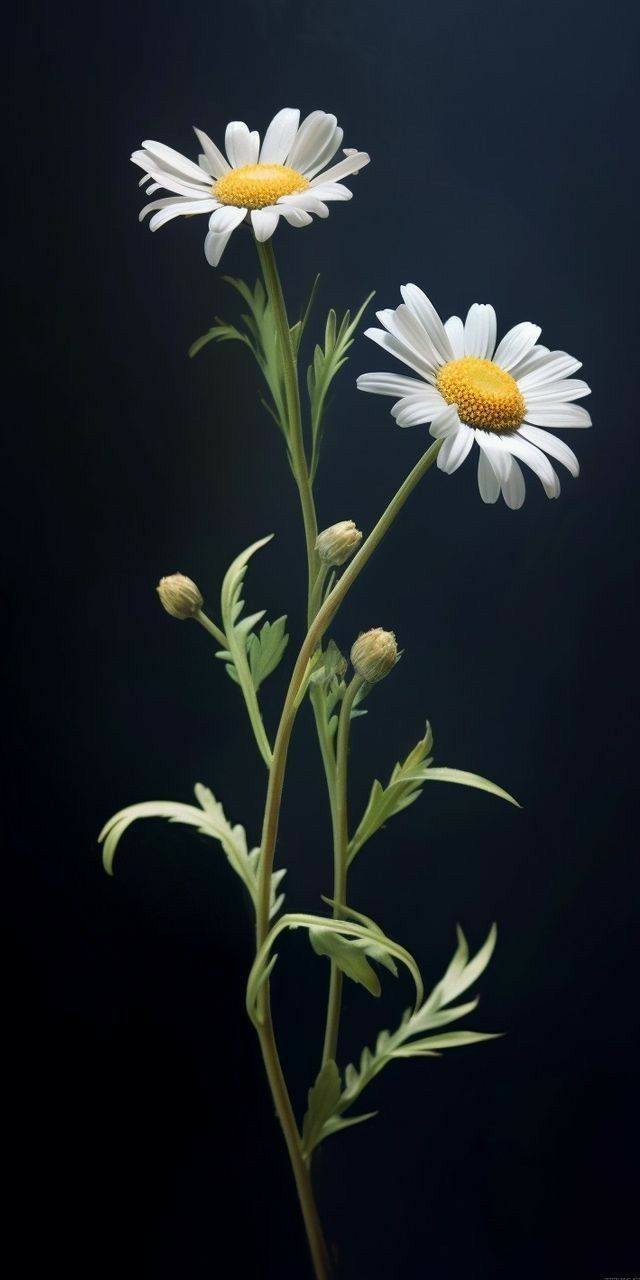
<point>486,396</point>
<point>255,185</point>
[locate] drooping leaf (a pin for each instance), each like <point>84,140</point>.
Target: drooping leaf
<point>328,359</point>
<point>350,955</point>
<point>405,785</point>
<point>219,332</point>
<point>210,820</point>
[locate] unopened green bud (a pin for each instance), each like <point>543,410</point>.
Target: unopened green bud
<point>335,544</point>
<point>374,653</point>
<point>179,596</point>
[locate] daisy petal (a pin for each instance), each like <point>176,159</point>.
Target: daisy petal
<point>279,138</point>
<point>488,482</point>
<point>175,161</point>
<point>514,488</point>
<point>330,190</point>
<point>549,367</point>
<point>226,218</point>
<point>455,449</point>
<point>516,344</point>
<point>535,459</point>
<point>240,145</point>
<point>565,389</point>
<point>305,200</point>
<point>445,423</point>
<point>555,448</point>
<point>558,415</point>
<point>422,406</point>
<point>351,164</point>
<point>480,331</point>
<point>158,204</point>
<point>215,159</point>
<point>454,330</point>
<point>175,208</point>
<point>315,134</point>
<point>389,384</point>
<point>215,245</point>
<point>389,342</point>
<point>295,217</point>
<point>264,222</point>
<point>424,311</point>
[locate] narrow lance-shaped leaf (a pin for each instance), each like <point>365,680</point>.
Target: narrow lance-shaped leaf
<point>327,361</point>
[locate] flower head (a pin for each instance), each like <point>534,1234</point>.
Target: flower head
<point>335,544</point>
<point>284,178</point>
<point>374,654</point>
<point>179,596</point>
<point>470,390</point>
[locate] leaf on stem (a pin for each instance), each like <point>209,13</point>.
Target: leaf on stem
<point>327,361</point>
<point>265,649</point>
<point>350,955</point>
<point>405,785</point>
<point>209,820</point>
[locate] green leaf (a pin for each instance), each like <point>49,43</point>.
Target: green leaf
<point>405,785</point>
<point>219,332</point>
<point>327,361</point>
<point>297,330</point>
<point>350,955</point>
<point>268,646</point>
<point>265,649</point>
<point>323,1099</point>
<point>209,820</point>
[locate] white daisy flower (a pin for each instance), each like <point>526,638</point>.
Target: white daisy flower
<point>470,389</point>
<point>283,178</point>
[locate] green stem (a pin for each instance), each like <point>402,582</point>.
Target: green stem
<point>292,392</point>
<point>301,1171</point>
<point>340,847</point>
<point>211,627</point>
<point>319,625</point>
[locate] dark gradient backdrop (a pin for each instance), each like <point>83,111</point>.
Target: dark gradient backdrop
<point>502,143</point>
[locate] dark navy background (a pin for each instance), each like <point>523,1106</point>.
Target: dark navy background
<point>502,143</point>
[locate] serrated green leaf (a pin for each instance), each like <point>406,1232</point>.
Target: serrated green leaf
<point>349,955</point>
<point>405,786</point>
<point>323,1099</point>
<point>265,649</point>
<point>327,361</point>
<point>209,819</point>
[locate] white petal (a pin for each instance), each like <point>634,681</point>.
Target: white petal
<point>312,137</point>
<point>305,200</point>
<point>215,245</point>
<point>428,317</point>
<point>446,423</point>
<point>454,330</point>
<point>240,145</point>
<point>390,384</point>
<point>171,181</point>
<point>422,406</point>
<point>175,161</point>
<point>403,324</point>
<point>176,208</point>
<point>555,448</point>
<point>514,488</point>
<point>215,159</point>
<point>549,367</point>
<point>226,218</point>
<point>492,446</point>
<point>565,389</point>
<point>535,459</point>
<point>264,222</point>
<point>480,331</point>
<point>516,344</point>
<point>351,164</point>
<point>399,349</point>
<point>488,482</point>
<point>295,217</point>
<point>279,138</point>
<point>330,190</point>
<point>530,361</point>
<point>558,415</point>
<point>164,203</point>
<point>455,449</point>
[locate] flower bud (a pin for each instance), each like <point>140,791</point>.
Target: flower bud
<point>374,653</point>
<point>179,596</point>
<point>335,544</point>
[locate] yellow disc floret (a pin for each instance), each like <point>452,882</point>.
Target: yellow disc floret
<point>254,186</point>
<point>486,396</point>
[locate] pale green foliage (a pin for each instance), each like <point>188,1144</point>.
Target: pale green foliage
<point>265,648</point>
<point>375,945</point>
<point>410,1040</point>
<point>249,657</point>
<point>209,820</point>
<point>405,785</point>
<point>323,1100</point>
<point>327,361</point>
<point>350,955</point>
